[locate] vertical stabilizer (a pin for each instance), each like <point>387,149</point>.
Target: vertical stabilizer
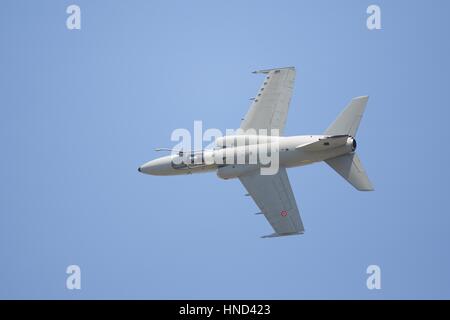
<point>348,121</point>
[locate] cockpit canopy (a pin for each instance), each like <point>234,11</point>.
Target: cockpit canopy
<point>189,159</point>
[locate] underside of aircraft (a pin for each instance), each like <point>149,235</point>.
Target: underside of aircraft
<point>272,193</point>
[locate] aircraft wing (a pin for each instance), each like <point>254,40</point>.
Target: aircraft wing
<point>271,104</point>
<point>274,197</point>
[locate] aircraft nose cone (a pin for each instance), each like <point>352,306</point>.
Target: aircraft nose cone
<point>148,168</point>
<point>157,167</point>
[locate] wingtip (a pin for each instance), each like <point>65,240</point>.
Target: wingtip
<point>361,98</point>
<point>277,235</point>
<point>273,69</point>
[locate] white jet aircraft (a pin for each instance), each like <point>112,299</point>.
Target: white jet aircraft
<point>273,193</point>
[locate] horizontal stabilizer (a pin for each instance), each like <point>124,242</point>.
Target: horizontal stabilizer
<point>350,168</point>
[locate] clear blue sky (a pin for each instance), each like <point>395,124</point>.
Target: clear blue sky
<point>80,110</point>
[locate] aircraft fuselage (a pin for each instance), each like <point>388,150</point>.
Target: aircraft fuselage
<point>292,151</point>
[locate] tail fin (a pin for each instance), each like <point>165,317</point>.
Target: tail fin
<point>348,165</point>
<point>350,168</point>
<point>348,121</point>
